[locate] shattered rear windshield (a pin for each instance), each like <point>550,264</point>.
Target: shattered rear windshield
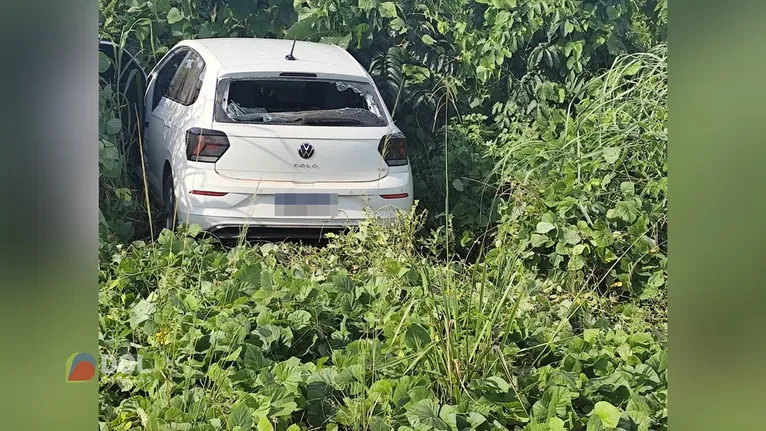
<point>310,102</point>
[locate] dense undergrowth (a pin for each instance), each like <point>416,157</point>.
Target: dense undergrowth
<point>536,301</point>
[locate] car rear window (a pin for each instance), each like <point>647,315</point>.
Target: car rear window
<point>310,102</point>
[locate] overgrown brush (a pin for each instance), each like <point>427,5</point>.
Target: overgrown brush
<point>282,336</point>
<point>588,185</point>
<point>555,323</point>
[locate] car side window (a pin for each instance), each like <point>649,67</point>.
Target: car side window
<point>174,91</point>
<point>165,77</point>
<point>192,72</point>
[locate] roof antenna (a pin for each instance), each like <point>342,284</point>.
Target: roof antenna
<point>290,55</point>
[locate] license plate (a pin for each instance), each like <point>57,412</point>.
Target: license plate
<point>305,205</point>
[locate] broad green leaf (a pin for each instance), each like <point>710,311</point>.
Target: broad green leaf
<point>193,230</point>
<point>572,63</point>
<point>341,41</point>
<point>378,423</point>
<point>250,274</point>
<point>233,356</point>
<point>205,31</point>
<point>103,62</point>
<point>647,375</point>
<point>299,319</point>
<point>545,227</point>
<point>578,48</point>
<point>264,425</point>
<point>602,235</point>
<point>639,412</point>
<point>113,126</point>
<point>174,15</point>
<point>568,27</point>
<point>416,337</point>
<point>240,416</point>
<point>289,374</point>
<point>397,24</point>
<point>387,9</point>
<point>628,188</point>
<point>285,408</point>
<point>502,18</point>
<point>576,263</point>
<point>556,424</point>
<point>611,154</point>
<point>553,404</point>
<point>590,335</point>
<point>254,359</point>
<point>475,419</point>
<point>425,414</point>
<point>383,389</point>
<point>657,279</point>
<point>499,383</point>
<point>448,414</point>
<point>578,249</point>
<point>428,40</point>
<point>572,236</point>
<point>625,210</point>
<point>568,48</point>
<point>609,414</point>
<point>612,12</point>
<point>367,4</point>
<point>260,405</point>
<point>538,240</point>
<point>140,313</point>
<point>267,280</point>
<point>594,424</point>
<point>457,184</point>
<point>302,30</point>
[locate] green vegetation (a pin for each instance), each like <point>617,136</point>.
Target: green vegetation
<point>528,290</point>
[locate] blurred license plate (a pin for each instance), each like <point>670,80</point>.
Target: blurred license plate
<point>305,205</point>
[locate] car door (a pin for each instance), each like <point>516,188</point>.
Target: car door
<point>179,110</point>
<point>156,115</point>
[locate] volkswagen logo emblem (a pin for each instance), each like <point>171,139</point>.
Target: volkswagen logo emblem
<point>306,150</point>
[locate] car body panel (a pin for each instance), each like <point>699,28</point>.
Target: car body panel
<point>263,161</point>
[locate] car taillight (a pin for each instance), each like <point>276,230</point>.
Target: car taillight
<point>208,193</point>
<point>205,145</point>
<point>395,196</point>
<point>393,148</point>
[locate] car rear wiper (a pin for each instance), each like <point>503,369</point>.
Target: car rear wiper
<point>333,121</point>
<point>266,119</point>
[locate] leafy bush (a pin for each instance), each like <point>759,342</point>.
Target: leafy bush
<point>589,191</point>
<point>118,206</point>
<point>288,337</point>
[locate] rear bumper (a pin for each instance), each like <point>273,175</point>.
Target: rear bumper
<point>221,224</point>
<point>251,204</point>
<point>271,233</point>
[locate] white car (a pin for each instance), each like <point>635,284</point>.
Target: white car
<point>281,138</point>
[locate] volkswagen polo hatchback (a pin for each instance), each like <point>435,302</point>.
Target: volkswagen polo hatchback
<point>278,137</point>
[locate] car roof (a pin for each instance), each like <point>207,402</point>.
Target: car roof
<point>268,55</point>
